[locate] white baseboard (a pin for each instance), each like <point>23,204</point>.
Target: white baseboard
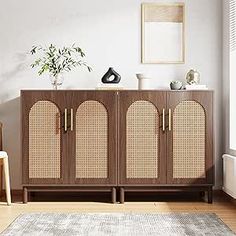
<point>230,193</point>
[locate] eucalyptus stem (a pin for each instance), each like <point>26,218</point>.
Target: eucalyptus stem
<point>55,60</point>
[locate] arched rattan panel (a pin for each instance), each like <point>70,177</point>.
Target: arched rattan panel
<point>189,140</point>
<point>44,141</point>
<point>142,138</point>
<point>91,140</point>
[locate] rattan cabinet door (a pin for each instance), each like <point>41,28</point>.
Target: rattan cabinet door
<point>94,156</point>
<point>42,137</point>
<point>141,139</point>
<point>190,159</point>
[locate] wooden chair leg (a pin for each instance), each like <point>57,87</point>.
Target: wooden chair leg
<point>7,180</point>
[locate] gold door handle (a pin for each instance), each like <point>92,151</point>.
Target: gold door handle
<point>71,119</point>
<point>65,125</point>
<point>170,125</point>
<point>163,120</point>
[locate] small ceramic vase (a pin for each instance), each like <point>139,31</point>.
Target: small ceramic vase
<point>176,85</point>
<point>143,82</point>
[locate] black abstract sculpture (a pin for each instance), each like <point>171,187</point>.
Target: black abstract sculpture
<point>106,79</point>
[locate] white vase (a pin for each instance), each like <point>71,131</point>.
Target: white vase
<point>143,82</point>
<point>56,80</point>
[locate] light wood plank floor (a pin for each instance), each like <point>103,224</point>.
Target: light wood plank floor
<point>222,206</point>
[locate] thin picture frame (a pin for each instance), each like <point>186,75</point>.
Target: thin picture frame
<point>144,58</point>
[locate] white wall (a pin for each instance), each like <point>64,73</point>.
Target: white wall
<point>110,32</point>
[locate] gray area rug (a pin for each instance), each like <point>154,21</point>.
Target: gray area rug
<point>119,224</point>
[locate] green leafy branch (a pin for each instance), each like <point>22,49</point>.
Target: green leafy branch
<point>57,60</point>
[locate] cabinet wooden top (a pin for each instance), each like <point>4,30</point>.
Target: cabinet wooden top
<point>122,90</point>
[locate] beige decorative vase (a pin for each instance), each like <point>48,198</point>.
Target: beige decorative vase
<point>143,82</point>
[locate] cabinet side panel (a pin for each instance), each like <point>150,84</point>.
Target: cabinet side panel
<point>24,138</point>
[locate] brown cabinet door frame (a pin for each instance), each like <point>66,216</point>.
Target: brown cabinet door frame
<point>109,100</point>
<point>126,99</point>
<point>28,99</point>
<point>205,99</point>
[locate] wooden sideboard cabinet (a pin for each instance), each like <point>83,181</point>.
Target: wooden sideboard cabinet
<point>69,141</point>
<point>131,141</point>
<point>166,141</point>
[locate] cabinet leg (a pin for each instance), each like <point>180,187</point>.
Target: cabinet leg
<point>25,195</point>
<point>210,195</point>
<point>122,195</point>
<point>113,195</point>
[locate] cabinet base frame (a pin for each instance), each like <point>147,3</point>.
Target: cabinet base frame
<point>122,190</point>
<point>33,189</point>
<point>201,189</point>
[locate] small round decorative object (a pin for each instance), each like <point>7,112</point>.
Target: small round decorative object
<point>176,85</point>
<point>193,77</point>
<point>111,77</point>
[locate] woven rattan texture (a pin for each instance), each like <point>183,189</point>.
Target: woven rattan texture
<point>158,13</point>
<point>142,140</point>
<point>91,140</point>
<point>189,140</point>
<point>44,141</point>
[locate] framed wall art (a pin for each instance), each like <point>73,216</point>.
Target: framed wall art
<point>163,33</point>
